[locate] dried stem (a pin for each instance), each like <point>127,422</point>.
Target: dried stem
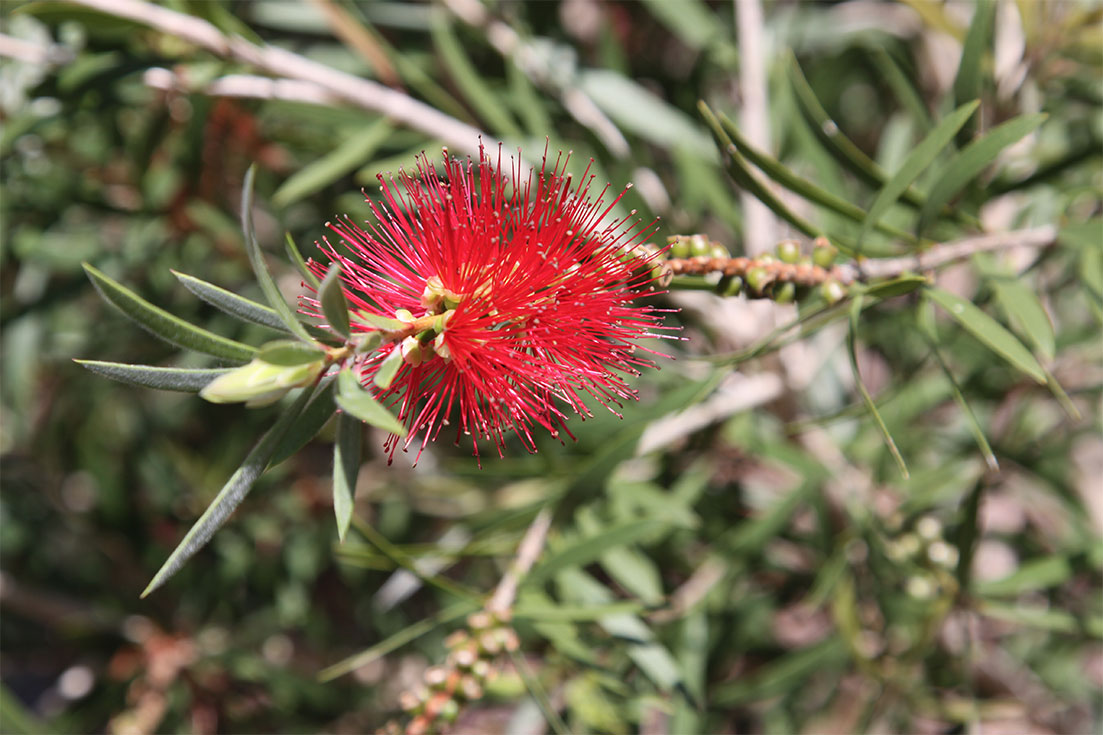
<point>361,92</point>
<point>527,553</point>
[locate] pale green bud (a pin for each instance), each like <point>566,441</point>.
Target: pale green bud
<point>259,382</point>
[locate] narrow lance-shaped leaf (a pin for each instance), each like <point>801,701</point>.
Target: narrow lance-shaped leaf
<point>925,320</point>
<point>231,303</point>
<point>781,174</point>
<point>297,258</point>
<point>346,157</point>
<point>168,327</point>
<point>990,332</point>
<point>256,259</point>
<point>332,298</point>
<point>187,380</point>
<point>314,417</point>
<point>915,164</point>
<point>969,82</point>
<point>230,497</point>
<point>967,164</point>
<point>352,397</point>
<point>1025,312</point>
<point>852,352</point>
<point>346,465</point>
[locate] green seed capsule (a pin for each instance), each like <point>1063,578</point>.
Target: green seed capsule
<point>719,251</point>
<point>823,254</point>
<point>730,286</point>
<point>757,278</point>
<point>788,251</point>
<point>785,293</point>
<point>679,247</point>
<point>832,291</point>
<point>699,245</point>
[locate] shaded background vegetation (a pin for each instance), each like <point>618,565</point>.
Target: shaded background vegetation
<point>778,573</point>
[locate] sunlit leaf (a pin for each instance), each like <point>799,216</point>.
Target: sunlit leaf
<point>989,332</point>
<point>165,325</point>
<point>352,397</point>
<point>230,497</point>
<point>332,298</point>
<point>346,465</point>
<point>231,303</point>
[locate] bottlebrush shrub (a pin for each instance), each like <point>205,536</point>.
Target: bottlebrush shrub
<point>499,301</point>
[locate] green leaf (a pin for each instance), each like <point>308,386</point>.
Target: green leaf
<point>902,85</point>
<point>653,659</point>
<point>638,110</point>
<point>256,260</point>
<point>916,163</point>
<point>1025,312</point>
<point>231,303</point>
<point>332,298</point>
<point>1031,576</point>
<point>969,162</point>
<point>750,536</point>
<point>572,613</point>
<point>989,332</point>
<point>349,155</point>
<point>289,352</point>
<point>1044,618</point>
<point>969,83</point>
<point>397,640</point>
<point>781,174</point>
<point>230,497</point>
<point>742,175</point>
<point>470,81</point>
<point>186,380</point>
<point>314,417</point>
<point>925,318</point>
<point>166,326</point>
<point>346,466</point>
<point>384,376</point>
<point>783,674</point>
<point>852,352</point>
<point>896,287</point>
<point>297,258</point>
<point>352,397</point>
<point>587,550</point>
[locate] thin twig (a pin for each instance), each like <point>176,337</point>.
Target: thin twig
<point>361,92</point>
<point>946,253</point>
<point>532,545</point>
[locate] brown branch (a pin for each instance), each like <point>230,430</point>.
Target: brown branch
<point>532,545</point>
<point>361,92</point>
<point>808,274</point>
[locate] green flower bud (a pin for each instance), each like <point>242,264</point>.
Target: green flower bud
<point>757,278</point>
<point>832,291</point>
<point>699,245</point>
<point>823,253</point>
<point>788,251</point>
<point>730,286</point>
<point>259,382</point>
<point>450,710</point>
<point>719,251</point>
<point>679,247</point>
<point>785,293</point>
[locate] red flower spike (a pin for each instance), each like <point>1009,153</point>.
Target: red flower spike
<point>524,301</point>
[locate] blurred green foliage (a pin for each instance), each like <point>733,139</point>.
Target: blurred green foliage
<point>762,570</point>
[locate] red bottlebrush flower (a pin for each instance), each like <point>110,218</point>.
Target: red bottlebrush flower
<point>535,294</point>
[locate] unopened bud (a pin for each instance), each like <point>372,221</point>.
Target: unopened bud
<point>449,711</point>
<point>730,286</point>
<point>719,251</point>
<point>409,702</point>
<point>823,253</point>
<point>757,278</point>
<point>788,251</point>
<point>785,293</point>
<point>470,688</point>
<point>679,247</point>
<point>435,676</point>
<point>928,528</point>
<point>832,291</point>
<point>479,621</point>
<point>259,382</point>
<point>699,245</point>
